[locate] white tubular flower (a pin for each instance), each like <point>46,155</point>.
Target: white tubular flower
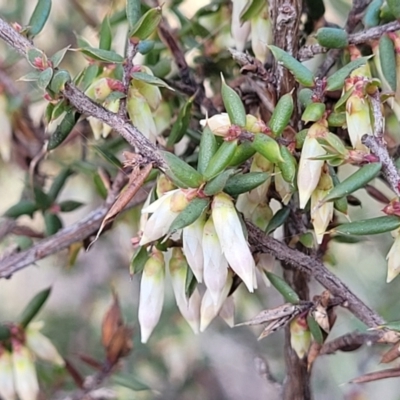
<point>189,308</point>
<point>209,310</point>
<point>151,93</point>
<point>232,240</point>
<point>112,106</point>
<point>358,119</point>
<point>164,211</point>
<point>151,294</point>
<point>393,258</point>
<point>140,114</point>
<point>192,237</point>
<point>260,164</point>
<point>97,127</point>
<point>245,205</point>
<point>261,35</point>
<point>227,312</point>
<point>283,188</point>
<point>219,124</point>
<point>25,378</point>
<point>321,215</point>
<point>240,33</point>
<point>215,264</point>
<point>41,346</point>
<point>310,170</point>
<point>7,389</point>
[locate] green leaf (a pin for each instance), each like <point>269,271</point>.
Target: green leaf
<point>58,183</point>
<point>392,325</point>
<point>267,147</point>
<point>181,125</point>
<point>341,103</point>
<point>220,159</point>
<point>23,207</point>
<point>33,307</point>
<point>105,34</point>
<point>278,219</point>
<point>208,147</point>
<point>89,75</point>
<point>190,214</point>
<point>190,283</point>
<point>315,329</point>
<point>60,78</point>
<point>332,38</point>
<point>217,184</point>
<point>288,166</point>
<point>313,112</point>
<point>30,76</point>
<point>36,58</point>
<point>372,14</point>
<point>4,332</point>
<point>147,24</point>
<point>354,182</point>
<point>129,381</point>
<point>252,9</point>
<point>182,171</point>
<point>243,183</point>
<point>243,152</point>
<point>61,107</point>
<point>372,226</point>
<point>337,120</point>
<point>63,129</point>
<point>39,17</point>
<point>133,12</point>
<point>283,288</point>
<point>394,7</point>
<point>70,205</point>
<point>387,58</point>
<point>43,201</point>
<point>45,78</point>
<point>139,260</point>
<point>152,80</point>
<point>108,156</point>
<point>57,57</point>
<point>102,55</point>
<point>336,80</point>
<point>52,222</point>
<point>145,46</point>
<point>282,113</point>
<point>340,204</point>
<point>301,73</point>
<point>233,104</point>
<point>305,97</point>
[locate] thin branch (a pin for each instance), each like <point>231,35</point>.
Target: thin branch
<point>349,342</point>
<point>86,106</point>
<point>376,32</point>
<point>316,269</point>
<point>67,236</point>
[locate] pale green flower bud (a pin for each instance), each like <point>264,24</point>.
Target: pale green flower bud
<point>41,346</point>
<point>215,264</point>
<point>393,259</point>
<point>151,294</point>
<point>260,164</point>
<point>239,32</point>
<point>219,124</point>
<point>97,127</point>
<point>99,89</point>
<point>300,336</point>
<point>112,106</point>
<point>231,237</point>
<point>310,170</point>
<point>7,389</point>
<point>25,378</point>
<point>150,92</point>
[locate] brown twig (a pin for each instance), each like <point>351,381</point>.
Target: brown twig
<point>86,106</point>
<point>316,269</point>
<point>350,341</point>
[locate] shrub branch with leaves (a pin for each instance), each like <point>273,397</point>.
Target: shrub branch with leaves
<point>216,147</point>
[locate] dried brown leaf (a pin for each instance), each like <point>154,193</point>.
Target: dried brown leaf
<point>321,316</point>
<point>375,376</point>
<point>91,361</point>
<point>120,344</point>
<point>275,325</point>
<point>392,354</point>
<point>136,180</point>
<point>377,194</point>
<point>111,322</point>
<point>313,353</point>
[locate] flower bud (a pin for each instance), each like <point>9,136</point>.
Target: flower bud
<point>284,189</point>
<point>164,185</point>
<point>140,114</point>
<point>300,336</point>
<point>215,264</point>
<point>255,125</point>
<point>260,164</point>
<point>25,378</point>
<point>112,106</point>
<point>219,124</point>
<point>99,89</point>
<point>309,170</point>
<point>97,127</point>
<point>41,346</point>
<point>192,238</point>
<point>262,215</point>
<point>151,294</point>
<point>393,258</point>
<point>231,237</point>
<point>240,32</point>
<point>7,390</point>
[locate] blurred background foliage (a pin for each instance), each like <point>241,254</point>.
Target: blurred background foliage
<point>222,363</point>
